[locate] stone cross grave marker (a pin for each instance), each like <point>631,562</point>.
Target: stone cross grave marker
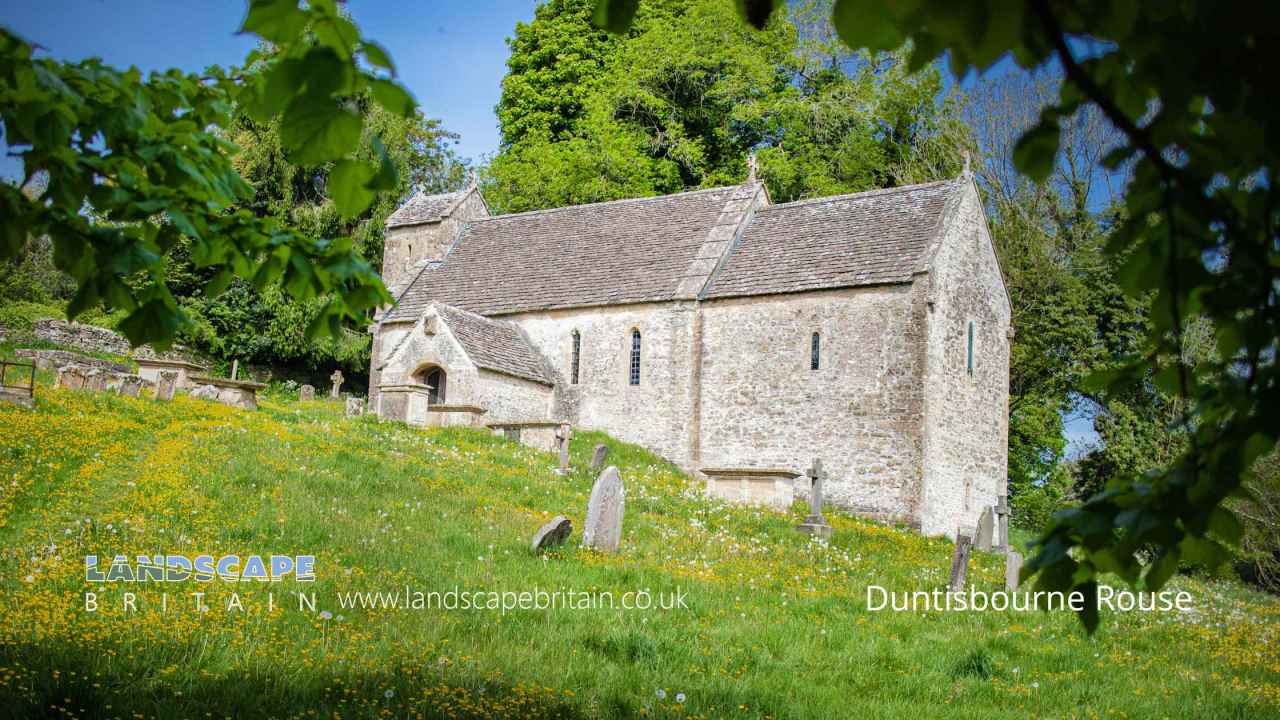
<point>130,385</point>
<point>815,523</point>
<point>986,529</point>
<point>1012,570</point>
<point>960,560</point>
<point>598,457</point>
<point>603,528</point>
<point>166,384</point>
<point>306,392</point>
<point>553,534</point>
<point>336,378</point>
<point>1002,522</point>
<point>355,407</point>
<point>563,434</point>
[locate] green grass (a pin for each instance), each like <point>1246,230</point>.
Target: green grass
<point>776,624</point>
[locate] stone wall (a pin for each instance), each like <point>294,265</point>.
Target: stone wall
<point>509,398</point>
<point>656,414</point>
<point>763,406</point>
<point>96,339</point>
<point>966,427</point>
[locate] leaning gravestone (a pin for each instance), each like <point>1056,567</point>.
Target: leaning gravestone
<point>603,528</point>
<point>598,457</point>
<point>986,531</point>
<point>960,560</point>
<point>130,385</point>
<point>355,407</point>
<point>1012,570</point>
<point>165,385</point>
<point>307,392</point>
<point>553,534</point>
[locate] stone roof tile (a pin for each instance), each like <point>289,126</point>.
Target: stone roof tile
<point>423,208</point>
<point>867,238</point>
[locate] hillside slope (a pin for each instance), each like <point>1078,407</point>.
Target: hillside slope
<point>776,625</point>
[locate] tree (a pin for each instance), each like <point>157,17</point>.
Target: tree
<point>1197,236</point>
<point>683,98</point>
<point>135,166</point>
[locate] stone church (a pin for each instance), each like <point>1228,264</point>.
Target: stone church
<point>738,338</point>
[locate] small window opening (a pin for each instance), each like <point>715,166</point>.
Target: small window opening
<point>577,356</point>
<point>635,357</point>
<point>969,361</point>
<point>815,352</point>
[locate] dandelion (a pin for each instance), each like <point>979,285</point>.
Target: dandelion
<point>389,694</point>
<point>662,694</point>
<point>680,697</point>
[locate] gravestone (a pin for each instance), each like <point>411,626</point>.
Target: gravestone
<point>336,378</point>
<point>960,560</point>
<point>306,392</point>
<point>166,384</point>
<point>598,457</point>
<point>815,523</point>
<point>553,534</point>
<point>1012,570</point>
<point>1002,522</point>
<point>603,528</point>
<point>986,531</point>
<point>95,379</point>
<point>563,434</point>
<point>130,385</point>
<point>71,377</point>
<point>205,392</point>
<point>355,407</point>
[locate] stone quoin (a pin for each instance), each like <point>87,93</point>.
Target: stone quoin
<point>720,330</point>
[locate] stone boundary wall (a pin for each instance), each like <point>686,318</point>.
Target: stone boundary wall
<point>97,339</point>
<point>54,359</point>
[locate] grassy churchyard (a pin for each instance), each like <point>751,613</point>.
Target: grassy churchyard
<point>776,624</point>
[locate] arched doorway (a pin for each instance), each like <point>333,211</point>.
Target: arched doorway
<point>434,377</point>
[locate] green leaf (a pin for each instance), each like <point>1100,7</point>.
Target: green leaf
<point>1224,524</point>
<point>866,24</point>
<point>315,130</point>
<point>276,21</point>
<point>347,187</point>
<point>378,56</point>
<point>615,15</point>
<point>1037,149</point>
<point>154,322</point>
<point>756,12</point>
<point>392,96</point>
<point>1162,569</point>
<point>387,178</point>
<point>1089,609</point>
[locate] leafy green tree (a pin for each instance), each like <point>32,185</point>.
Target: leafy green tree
<point>1197,236</point>
<point>149,160</point>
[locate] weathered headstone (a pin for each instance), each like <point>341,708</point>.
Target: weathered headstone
<point>986,531</point>
<point>166,384</point>
<point>1012,569</point>
<point>1002,522</point>
<point>205,392</point>
<point>960,559</point>
<point>553,534</point>
<point>603,528</point>
<point>307,392</point>
<point>71,377</point>
<point>355,407</point>
<point>815,523</point>
<point>563,434</point>
<point>130,385</point>
<point>598,457</point>
<point>95,379</point>
<point>336,378</point>
<point>235,369</point>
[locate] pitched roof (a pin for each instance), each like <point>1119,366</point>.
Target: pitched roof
<point>605,253</point>
<point>495,345</point>
<point>867,238</point>
<point>423,208</point>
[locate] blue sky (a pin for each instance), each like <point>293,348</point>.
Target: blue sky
<point>451,55</point>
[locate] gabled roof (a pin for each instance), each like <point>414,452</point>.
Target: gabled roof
<point>868,238</point>
<point>624,251</point>
<point>423,208</point>
<point>495,345</point>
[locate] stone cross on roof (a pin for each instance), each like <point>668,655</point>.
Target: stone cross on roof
<point>751,168</point>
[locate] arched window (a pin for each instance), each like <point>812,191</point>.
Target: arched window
<point>577,356</point>
<point>635,357</point>
<point>815,352</point>
<point>969,361</point>
<point>435,378</point>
